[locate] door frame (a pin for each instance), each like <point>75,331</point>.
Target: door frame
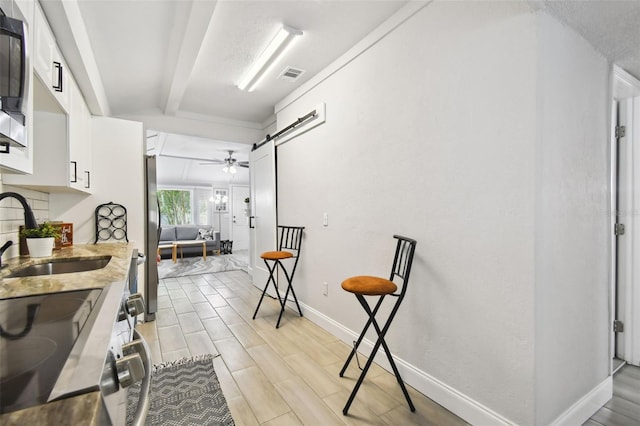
<point>626,89</point>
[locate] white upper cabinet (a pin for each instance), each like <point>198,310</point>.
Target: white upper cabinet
<point>61,136</point>
<point>48,63</point>
<point>79,140</point>
<point>62,144</point>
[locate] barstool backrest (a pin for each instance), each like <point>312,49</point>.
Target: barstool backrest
<point>403,260</point>
<point>290,238</point>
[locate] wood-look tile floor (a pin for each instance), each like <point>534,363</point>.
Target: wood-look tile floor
<point>287,376</point>
<point>624,408</point>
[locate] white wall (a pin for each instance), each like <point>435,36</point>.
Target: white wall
<point>118,176</point>
<point>572,221</point>
<point>440,131</point>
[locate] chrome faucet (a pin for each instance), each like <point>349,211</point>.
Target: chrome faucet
<point>29,218</point>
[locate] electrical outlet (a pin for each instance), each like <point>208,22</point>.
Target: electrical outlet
<point>325,288</point>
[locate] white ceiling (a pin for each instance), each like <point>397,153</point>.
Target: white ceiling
<point>196,151</point>
<point>141,46</point>
<point>611,26</point>
<point>184,57</point>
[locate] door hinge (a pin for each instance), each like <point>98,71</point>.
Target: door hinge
<point>621,132</point>
<point>618,229</point>
<point>618,326</point>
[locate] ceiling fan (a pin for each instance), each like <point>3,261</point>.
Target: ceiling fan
<point>230,163</point>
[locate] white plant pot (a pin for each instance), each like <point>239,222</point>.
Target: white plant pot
<point>40,247</point>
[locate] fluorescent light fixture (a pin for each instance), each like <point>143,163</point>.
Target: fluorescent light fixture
<point>269,57</point>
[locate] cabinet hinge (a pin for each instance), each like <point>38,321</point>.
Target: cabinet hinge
<point>618,229</point>
<point>621,132</point>
<point>618,326</point>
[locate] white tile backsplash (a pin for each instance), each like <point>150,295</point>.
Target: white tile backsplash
<point>12,215</point>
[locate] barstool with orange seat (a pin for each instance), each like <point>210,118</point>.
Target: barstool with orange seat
<point>290,240</point>
<point>363,286</point>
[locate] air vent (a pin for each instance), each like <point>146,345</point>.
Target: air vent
<point>291,74</point>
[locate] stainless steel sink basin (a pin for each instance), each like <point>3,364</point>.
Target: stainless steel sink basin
<point>61,266</point>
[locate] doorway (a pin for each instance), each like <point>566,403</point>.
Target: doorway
<point>239,217</point>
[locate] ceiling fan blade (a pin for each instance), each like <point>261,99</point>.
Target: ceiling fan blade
<point>213,163</point>
<point>244,164</point>
<point>181,157</point>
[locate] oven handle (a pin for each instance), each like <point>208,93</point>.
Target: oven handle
<point>145,388</point>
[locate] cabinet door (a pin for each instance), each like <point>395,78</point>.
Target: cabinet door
<point>48,61</point>
<point>44,45</point>
<point>79,140</point>
<point>60,82</point>
<point>84,132</point>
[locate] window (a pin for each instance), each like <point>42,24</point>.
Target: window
<point>175,206</point>
<point>191,206</point>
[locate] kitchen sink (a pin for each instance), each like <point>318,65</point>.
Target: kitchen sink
<point>61,266</point>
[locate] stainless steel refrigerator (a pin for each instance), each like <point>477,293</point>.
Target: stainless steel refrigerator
<point>152,235</point>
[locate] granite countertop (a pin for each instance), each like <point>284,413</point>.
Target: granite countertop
<point>116,270</point>
<point>86,409</point>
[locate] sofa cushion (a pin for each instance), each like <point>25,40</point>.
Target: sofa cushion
<point>168,233</point>
<point>187,232</point>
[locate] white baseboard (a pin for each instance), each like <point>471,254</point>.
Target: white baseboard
<point>456,402</point>
<point>586,406</point>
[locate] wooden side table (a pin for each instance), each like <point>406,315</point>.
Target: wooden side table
<point>180,244</point>
<point>173,250</point>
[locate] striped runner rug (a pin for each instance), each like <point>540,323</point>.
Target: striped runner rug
<point>183,392</point>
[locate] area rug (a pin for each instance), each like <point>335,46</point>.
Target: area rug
<point>183,392</point>
<point>196,265</point>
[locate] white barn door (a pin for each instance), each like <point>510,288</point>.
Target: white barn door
<point>263,220</point>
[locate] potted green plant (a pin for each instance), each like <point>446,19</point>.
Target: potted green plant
<point>40,240</point>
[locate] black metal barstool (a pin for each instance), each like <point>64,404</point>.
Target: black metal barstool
<point>290,240</point>
<point>375,286</point>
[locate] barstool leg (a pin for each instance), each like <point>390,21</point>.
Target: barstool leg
<point>386,348</point>
<point>345,410</point>
<point>271,279</point>
<point>362,334</point>
<point>380,341</point>
<point>286,295</point>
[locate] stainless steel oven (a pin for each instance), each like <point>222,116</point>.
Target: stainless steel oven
<point>54,346</point>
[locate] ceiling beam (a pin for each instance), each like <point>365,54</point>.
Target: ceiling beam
<point>196,29</point>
